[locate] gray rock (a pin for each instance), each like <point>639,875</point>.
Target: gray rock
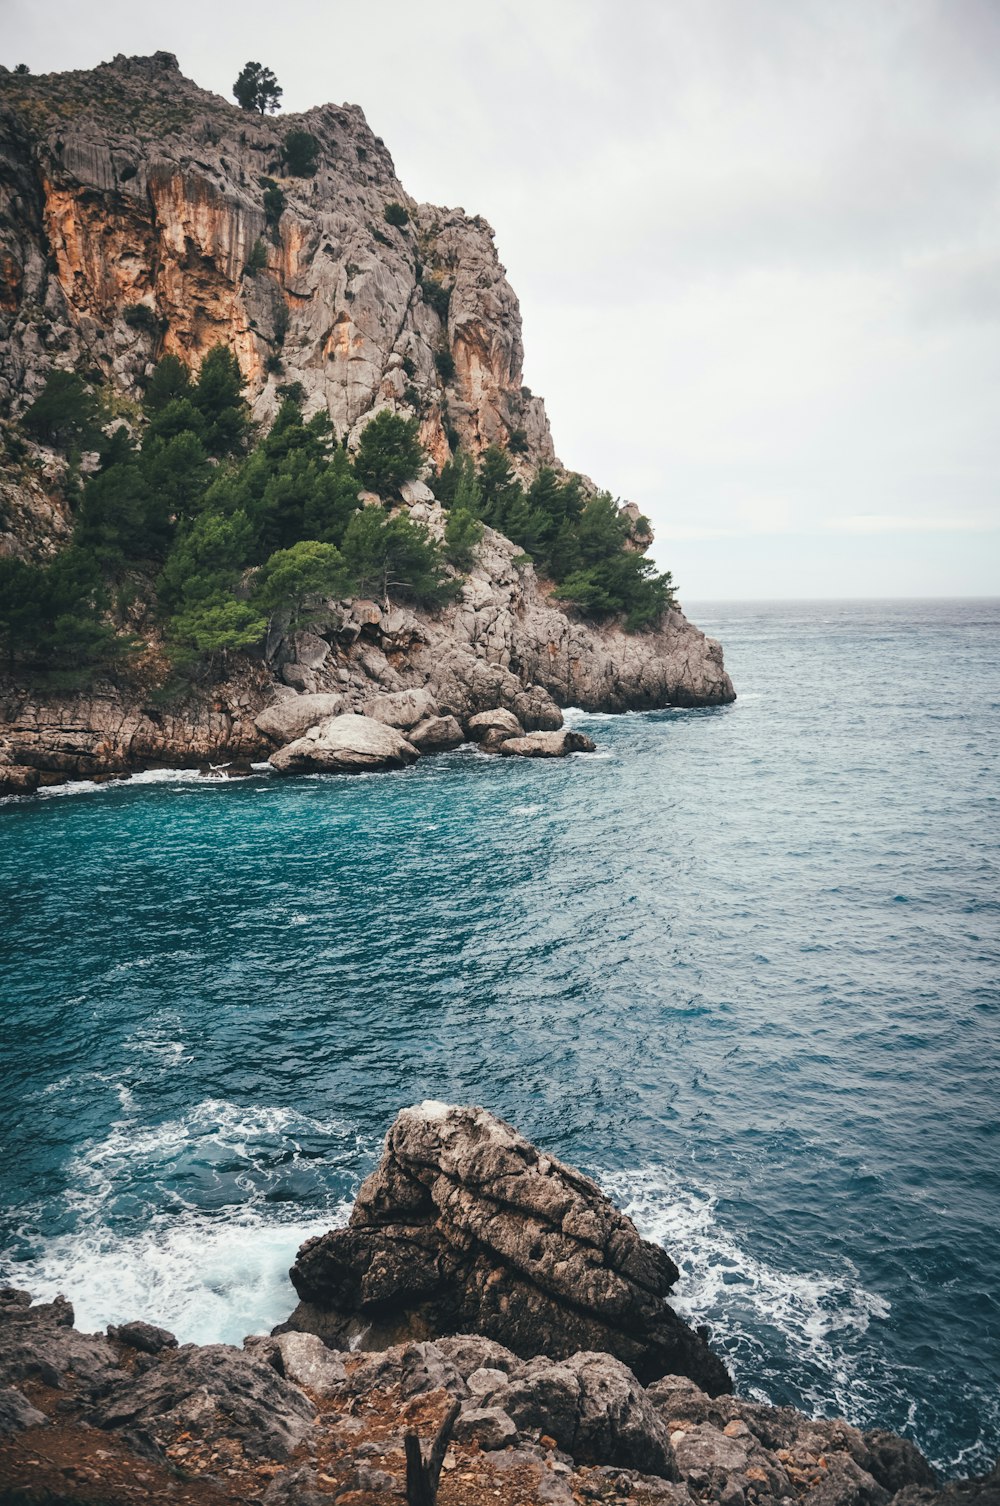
<point>299,678</point>
<point>308,1362</point>
<point>211,1390</point>
<point>345,745</point>
<point>414,1368</point>
<point>497,720</point>
<point>415,491</point>
<point>470,1352</point>
<point>17,1413</point>
<point>896,1462</point>
<point>40,1342</point>
<point>546,745</point>
<point>403,709</point>
<point>483,1382</point>
<point>845,1483</point>
<point>490,1427</point>
<point>436,734</point>
<point>466,1228</point>
<point>594,1408</point>
<point>311,650</point>
<point>289,718</point>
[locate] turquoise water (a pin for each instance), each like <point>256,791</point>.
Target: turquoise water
<point>741,965</point>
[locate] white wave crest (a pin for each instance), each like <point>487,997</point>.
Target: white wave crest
<point>209,1280</point>
<point>214,1234</point>
<point>725,1284</point>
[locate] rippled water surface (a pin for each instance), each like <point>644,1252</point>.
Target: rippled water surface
<point>741,966</point>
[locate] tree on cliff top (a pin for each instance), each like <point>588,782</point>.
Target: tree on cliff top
<point>257,89</point>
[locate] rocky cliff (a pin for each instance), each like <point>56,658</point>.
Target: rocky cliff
<point>463,1223</point>
<point>136,220</point>
<point>142,216</point>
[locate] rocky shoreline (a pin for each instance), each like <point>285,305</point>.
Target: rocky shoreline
<point>501,648</point>
<point>483,1298</point>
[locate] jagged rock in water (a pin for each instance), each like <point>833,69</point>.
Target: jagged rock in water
<point>547,745</point>
<point>346,744</point>
<point>466,1227</point>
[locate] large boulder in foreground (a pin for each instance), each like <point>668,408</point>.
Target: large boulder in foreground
<point>465,1227</point>
<point>346,744</point>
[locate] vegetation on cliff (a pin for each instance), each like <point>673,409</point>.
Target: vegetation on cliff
<point>194,526</point>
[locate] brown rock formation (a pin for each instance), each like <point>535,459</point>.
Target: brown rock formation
<point>466,1228</point>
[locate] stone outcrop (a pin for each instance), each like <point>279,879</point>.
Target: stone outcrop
<point>466,1227</point>
<point>484,722</point>
<point>463,1220</point>
<point>436,735</point>
<point>134,220</point>
<point>345,744</point>
<point>285,720</point>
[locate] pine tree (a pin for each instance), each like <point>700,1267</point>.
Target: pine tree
<point>257,89</point>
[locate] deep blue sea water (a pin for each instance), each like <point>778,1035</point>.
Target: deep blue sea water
<point>742,966</point>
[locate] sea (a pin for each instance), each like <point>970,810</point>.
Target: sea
<point>740,965</point>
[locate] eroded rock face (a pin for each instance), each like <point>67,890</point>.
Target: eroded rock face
<point>132,214</point>
<point>466,1227</point>
<point>134,221</point>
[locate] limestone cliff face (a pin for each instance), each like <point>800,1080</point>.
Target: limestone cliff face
<point>133,205</point>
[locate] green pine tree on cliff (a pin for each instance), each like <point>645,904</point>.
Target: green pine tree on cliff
<point>257,89</point>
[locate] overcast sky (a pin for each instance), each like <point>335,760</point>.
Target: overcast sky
<point>756,244</point>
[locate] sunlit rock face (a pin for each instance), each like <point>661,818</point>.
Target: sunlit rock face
<point>143,215</point>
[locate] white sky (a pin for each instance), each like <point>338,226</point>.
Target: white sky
<point>756,244</point>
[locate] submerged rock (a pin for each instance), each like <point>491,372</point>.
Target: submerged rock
<point>345,745</point>
<point>466,1227</point>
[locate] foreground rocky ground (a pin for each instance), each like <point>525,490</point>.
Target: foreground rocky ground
<point>463,1221</point>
